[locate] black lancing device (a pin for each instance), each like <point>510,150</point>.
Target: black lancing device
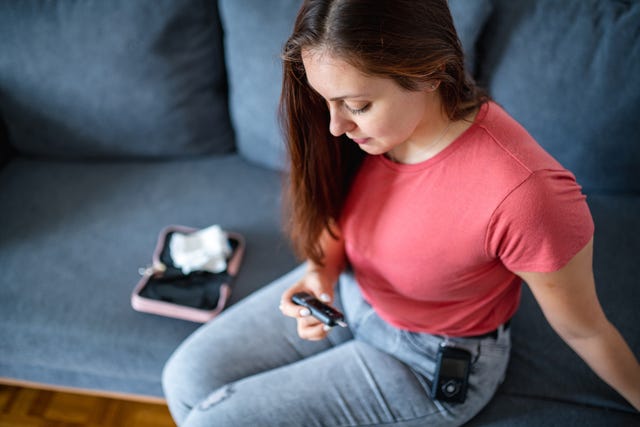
<point>321,311</point>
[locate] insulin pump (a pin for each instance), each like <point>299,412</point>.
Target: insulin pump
<point>451,378</point>
<point>321,311</point>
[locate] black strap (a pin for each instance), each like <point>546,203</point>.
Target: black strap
<point>493,334</point>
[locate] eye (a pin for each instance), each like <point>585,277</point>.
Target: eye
<point>356,110</point>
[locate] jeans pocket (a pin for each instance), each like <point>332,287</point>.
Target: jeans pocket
<point>423,344</point>
<point>419,351</point>
<point>499,348</point>
<point>494,358</point>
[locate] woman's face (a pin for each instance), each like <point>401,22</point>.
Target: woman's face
<point>376,113</point>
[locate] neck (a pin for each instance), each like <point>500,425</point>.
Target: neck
<point>441,135</point>
<point>428,144</point>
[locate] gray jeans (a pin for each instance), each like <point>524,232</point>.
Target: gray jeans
<point>249,368</point>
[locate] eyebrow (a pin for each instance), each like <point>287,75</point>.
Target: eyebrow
<point>340,98</point>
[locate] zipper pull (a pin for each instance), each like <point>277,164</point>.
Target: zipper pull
<point>152,270</point>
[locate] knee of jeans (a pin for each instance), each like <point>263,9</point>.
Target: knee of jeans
<point>169,373</point>
<point>182,385</point>
<point>224,408</point>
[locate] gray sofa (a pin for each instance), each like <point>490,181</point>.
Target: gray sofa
<point>119,118</point>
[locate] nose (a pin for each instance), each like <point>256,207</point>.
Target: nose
<point>339,123</point>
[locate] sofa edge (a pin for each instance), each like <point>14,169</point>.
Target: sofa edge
<point>6,149</point>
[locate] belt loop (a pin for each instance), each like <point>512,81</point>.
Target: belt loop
<point>503,328</point>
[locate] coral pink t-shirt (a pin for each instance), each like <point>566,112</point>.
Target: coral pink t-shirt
<point>434,245</point>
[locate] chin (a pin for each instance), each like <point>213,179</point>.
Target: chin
<point>374,151</point>
<point>372,148</point>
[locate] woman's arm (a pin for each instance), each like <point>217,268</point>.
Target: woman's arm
<point>319,280</point>
<point>570,304</point>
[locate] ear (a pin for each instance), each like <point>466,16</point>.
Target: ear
<point>431,85</point>
<point>434,84</point>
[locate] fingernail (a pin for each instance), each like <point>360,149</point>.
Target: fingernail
<point>325,298</point>
<point>326,328</point>
<point>304,312</point>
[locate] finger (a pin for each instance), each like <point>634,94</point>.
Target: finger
<point>312,333</point>
<point>312,329</point>
<point>289,308</point>
<point>319,289</point>
<point>308,321</point>
<point>293,310</point>
<point>325,297</point>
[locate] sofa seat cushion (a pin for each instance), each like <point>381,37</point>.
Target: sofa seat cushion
<point>73,237</point>
<point>93,79</point>
<point>520,411</point>
<point>569,71</point>
<point>542,366</point>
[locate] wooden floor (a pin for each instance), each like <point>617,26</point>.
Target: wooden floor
<point>30,407</point>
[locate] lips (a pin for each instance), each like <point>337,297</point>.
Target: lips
<point>360,141</point>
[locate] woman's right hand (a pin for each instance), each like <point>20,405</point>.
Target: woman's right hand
<point>318,284</point>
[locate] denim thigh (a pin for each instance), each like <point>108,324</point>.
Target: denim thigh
<point>269,377</point>
<point>248,338</point>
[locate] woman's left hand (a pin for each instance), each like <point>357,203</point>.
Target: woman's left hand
<point>318,284</point>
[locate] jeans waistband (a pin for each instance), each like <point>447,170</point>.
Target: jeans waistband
<point>493,334</point>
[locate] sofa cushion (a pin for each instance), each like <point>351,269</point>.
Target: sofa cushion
<point>113,79</point>
<point>73,238</point>
<point>469,18</point>
<point>569,71</point>
<point>255,32</point>
<point>520,411</point>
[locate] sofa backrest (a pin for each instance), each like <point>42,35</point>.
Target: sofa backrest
<point>254,34</point>
<point>113,79</point>
<point>569,71</point>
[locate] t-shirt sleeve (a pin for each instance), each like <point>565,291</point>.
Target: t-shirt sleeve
<point>541,225</point>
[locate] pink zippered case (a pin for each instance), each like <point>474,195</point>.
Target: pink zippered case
<point>198,296</point>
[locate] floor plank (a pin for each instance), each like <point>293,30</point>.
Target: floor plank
<point>30,407</point>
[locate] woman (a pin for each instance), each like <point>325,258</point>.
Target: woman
<point>427,205</point>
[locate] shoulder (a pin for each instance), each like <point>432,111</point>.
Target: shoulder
<point>507,135</point>
<point>541,223</point>
<point>496,155</point>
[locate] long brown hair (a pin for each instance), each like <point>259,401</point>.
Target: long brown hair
<point>410,41</point>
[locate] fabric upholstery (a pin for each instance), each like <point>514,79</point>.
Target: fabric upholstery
<point>113,79</point>
<point>569,71</point>
<point>469,17</point>
<point>519,411</point>
<point>73,237</point>
<point>255,31</point>
<point>73,234</point>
